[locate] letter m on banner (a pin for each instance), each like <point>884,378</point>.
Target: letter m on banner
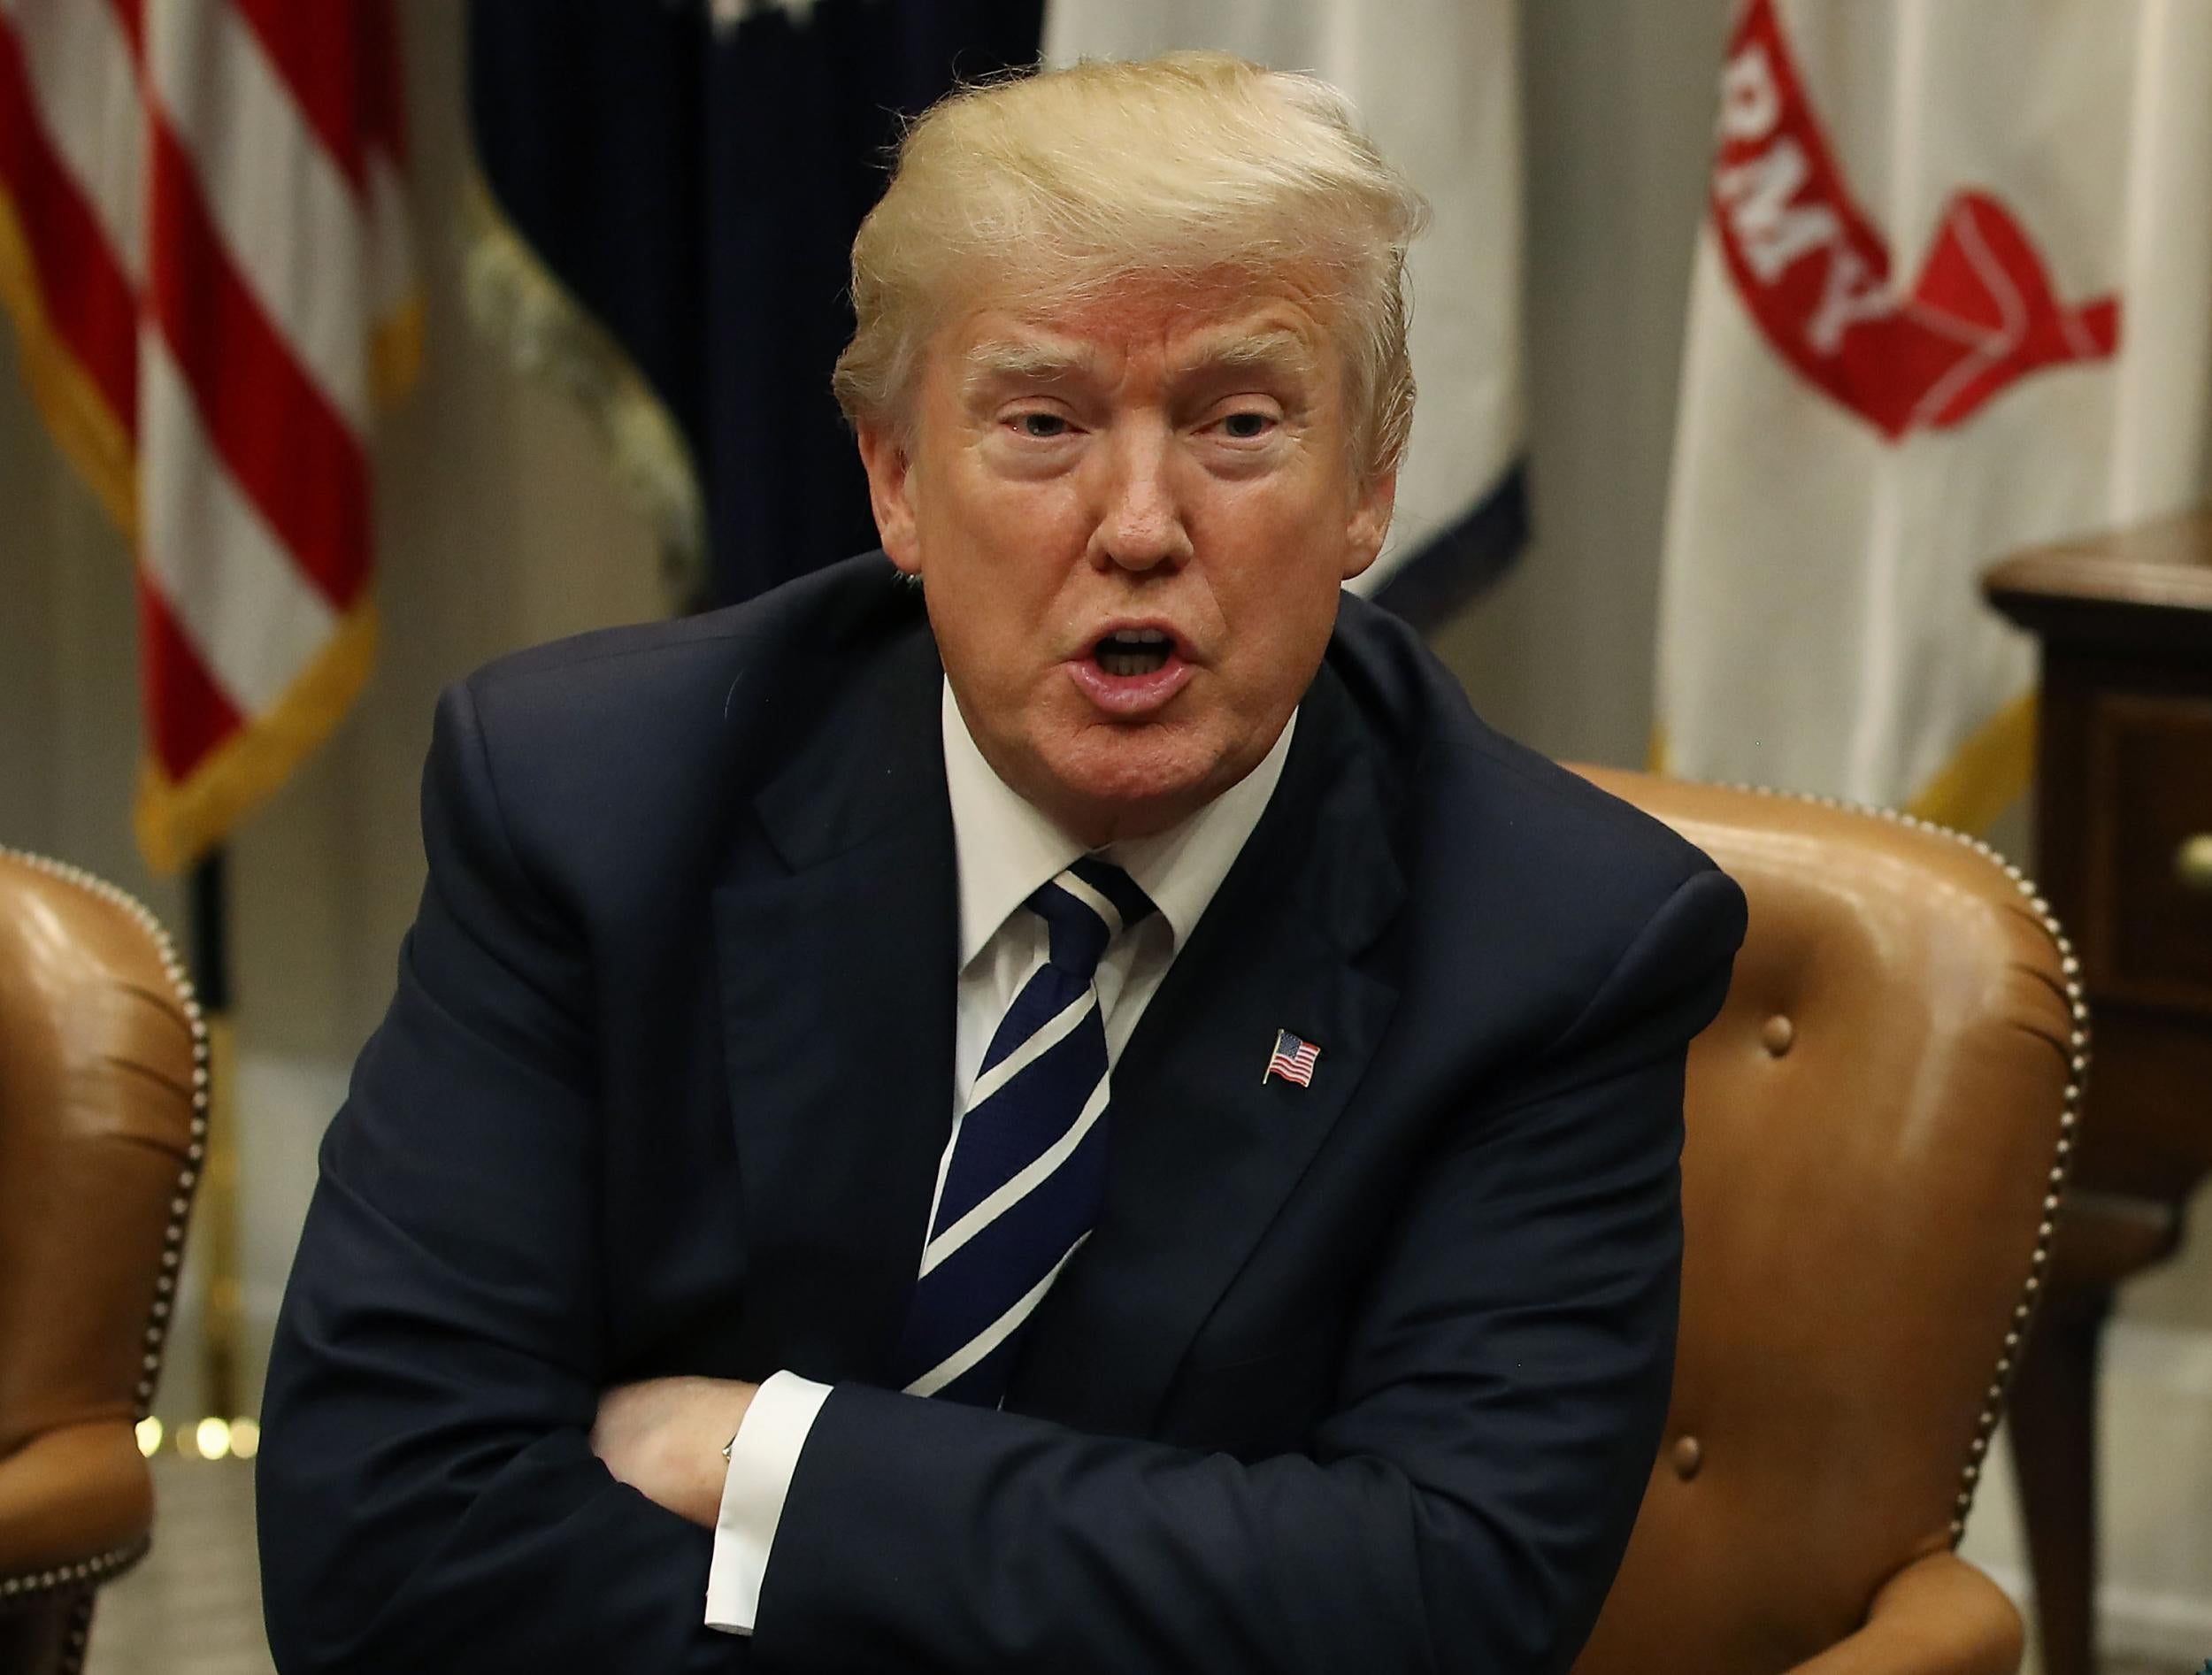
<point>202,245</point>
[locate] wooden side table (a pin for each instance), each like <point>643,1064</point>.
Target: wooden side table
<point>2124,839</point>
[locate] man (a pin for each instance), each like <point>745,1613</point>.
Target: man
<point>1086,1116</point>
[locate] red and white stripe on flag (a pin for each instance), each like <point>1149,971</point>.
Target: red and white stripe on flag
<point>1949,302</point>
<point>202,242</point>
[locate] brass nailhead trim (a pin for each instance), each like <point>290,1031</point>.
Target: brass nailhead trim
<point>2069,1111</point>
<point>85,1573</point>
<point>195,1149</point>
<point>80,1632</point>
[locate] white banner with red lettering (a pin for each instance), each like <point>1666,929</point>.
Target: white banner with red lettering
<point>1953,298</point>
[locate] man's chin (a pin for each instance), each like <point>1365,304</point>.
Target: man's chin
<point>1132,787</point>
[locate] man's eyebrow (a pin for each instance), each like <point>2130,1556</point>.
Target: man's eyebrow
<point>1280,350</point>
<point>1276,349</point>
<point>998,360</point>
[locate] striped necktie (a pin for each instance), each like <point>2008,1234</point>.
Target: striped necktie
<point>1026,1170</point>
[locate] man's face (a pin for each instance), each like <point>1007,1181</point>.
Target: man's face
<point>1132,517</point>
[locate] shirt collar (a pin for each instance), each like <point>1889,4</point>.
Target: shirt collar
<point>1007,847</point>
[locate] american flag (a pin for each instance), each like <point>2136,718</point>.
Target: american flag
<point>1293,1059</point>
<point>202,245</point>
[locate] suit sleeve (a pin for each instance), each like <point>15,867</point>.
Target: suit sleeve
<point>428,1498</point>
<point>1465,1505</point>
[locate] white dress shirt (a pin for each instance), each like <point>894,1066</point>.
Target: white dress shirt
<point>1005,849</point>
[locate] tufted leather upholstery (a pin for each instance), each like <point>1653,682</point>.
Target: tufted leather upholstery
<point>1878,1127</point>
<point>101,1134</point>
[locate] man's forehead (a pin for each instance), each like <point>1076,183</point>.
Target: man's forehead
<point>1196,328</point>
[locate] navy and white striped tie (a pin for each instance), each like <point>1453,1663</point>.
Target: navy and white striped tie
<point>1024,1174</point>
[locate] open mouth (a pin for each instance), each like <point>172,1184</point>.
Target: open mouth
<point>1133,673</point>
<point>1134,651</point>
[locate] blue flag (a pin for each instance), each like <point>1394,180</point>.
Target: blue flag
<point>688,175</point>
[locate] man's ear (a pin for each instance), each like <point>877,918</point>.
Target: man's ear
<point>883,454</point>
<point>1369,521</point>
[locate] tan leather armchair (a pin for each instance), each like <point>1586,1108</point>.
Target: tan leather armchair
<point>1878,1127</point>
<point>102,1127</point>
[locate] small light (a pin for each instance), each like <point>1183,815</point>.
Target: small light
<point>245,1439</point>
<point>150,1436</point>
<point>213,1436</point>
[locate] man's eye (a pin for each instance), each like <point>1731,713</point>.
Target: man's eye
<point>1043,426</point>
<point>1246,427</point>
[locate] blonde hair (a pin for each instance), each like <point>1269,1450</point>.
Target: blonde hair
<point>1055,186</point>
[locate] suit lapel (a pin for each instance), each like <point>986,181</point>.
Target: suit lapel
<point>1204,1150</point>
<point>837,960</point>
<point>837,951</point>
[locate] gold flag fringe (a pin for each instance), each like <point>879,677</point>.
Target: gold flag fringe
<point>1992,768</point>
<point>518,303</point>
<point>92,436</point>
<point>180,821</point>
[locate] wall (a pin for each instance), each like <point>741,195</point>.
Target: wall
<point>1619,103</point>
<point>499,526</point>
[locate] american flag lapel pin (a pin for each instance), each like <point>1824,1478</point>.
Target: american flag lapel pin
<point>1291,1060</point>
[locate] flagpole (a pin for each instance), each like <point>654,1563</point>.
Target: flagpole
<point>223,1305</point>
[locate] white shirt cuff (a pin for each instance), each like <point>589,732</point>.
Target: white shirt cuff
<point>762,1460</point>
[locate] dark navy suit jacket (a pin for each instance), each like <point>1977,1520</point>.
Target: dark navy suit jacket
<point>1366,1375</point>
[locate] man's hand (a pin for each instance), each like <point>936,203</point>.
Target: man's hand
<point>664,1438</point>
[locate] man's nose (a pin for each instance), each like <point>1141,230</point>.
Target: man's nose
<point>1140,521</point>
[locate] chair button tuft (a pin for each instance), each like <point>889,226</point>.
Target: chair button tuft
<point>1778,1033</point>
<point>1689,1454</point>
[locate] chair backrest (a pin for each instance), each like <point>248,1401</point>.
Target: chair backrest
<point>1878,1126</point>
<point>102,1134</point>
